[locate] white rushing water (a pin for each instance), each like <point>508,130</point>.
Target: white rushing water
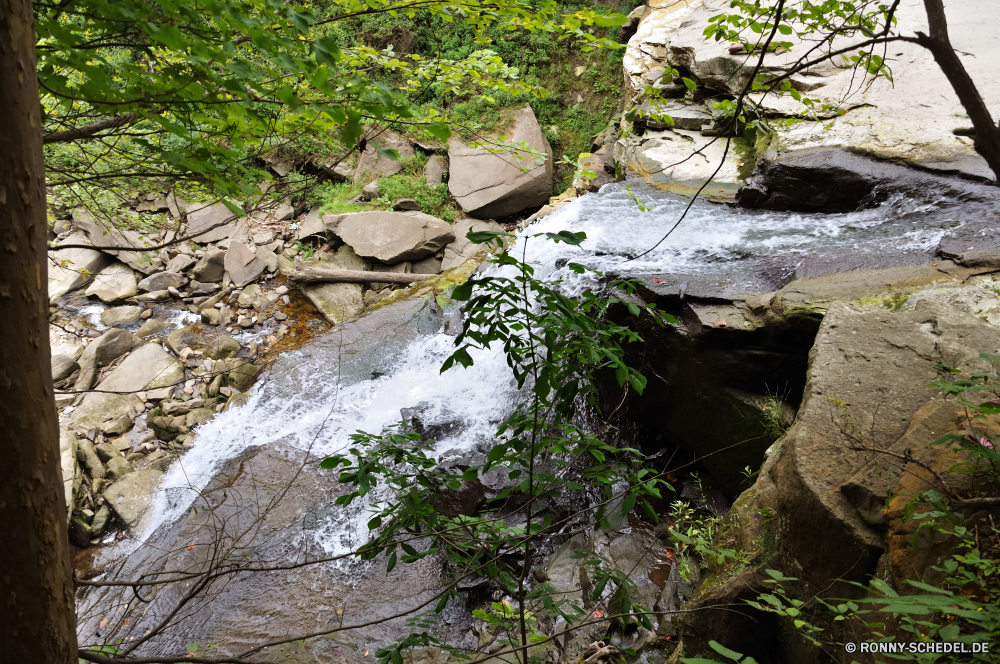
<point>321,412</point>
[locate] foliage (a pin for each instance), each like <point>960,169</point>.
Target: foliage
<point>554,345</point>
<point>694,533</point>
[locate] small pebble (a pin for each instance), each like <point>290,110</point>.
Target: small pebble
<point>146,314</point>
<point>280,316</point>
<point>281,290</point>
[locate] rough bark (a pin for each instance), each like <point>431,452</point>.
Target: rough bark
<point>36,594</point>
<point>312,275</point>
<point>937,41</point>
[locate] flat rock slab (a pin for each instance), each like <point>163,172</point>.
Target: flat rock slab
<point>372,165</point>
<point>209,340</point>
<point>114,283</point>
<point>226,224</point>
<point>392,237</point>
<point>131,243</point>
<point>121,315</point>
<point>65,275</point>
<point>211,268</point>
<point>146,368</point>
<point>131,496</point>
<point>337,301</point>
<point>242,264</point>
<point>462,248</point>
<point>489,185</point>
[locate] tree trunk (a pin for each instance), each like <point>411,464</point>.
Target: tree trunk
<point>37,622</point>
<point>321,275</point>
<point>987,140</point>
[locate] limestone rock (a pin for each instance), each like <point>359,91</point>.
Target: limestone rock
<point>489,185</point>
<point>202,218</point>
<point>462,249</point>
<point>391,237</point>
<point>102,234</point>
<point>268,258</point>
<point>87,456</point>
<point>113,283</point>
<point>131,496</point>
<point>311,224</point>
<point>63,279</point>
<point>179,263</point>
<point>121,315</point>
<point>242,264</point>
<point>148,367</point>
<point>212,343</point>
<point>211,267</point>
<point>162,281</point>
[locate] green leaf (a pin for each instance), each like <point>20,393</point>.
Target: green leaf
<point>724,651</point>
<point>439,130</point>
<point>482,237</point>
<point>462,292</point>
<point>391,563</point>
<point>568,237</point>
<point>688,83</point>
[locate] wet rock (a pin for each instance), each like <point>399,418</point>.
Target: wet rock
<point>489,185</point>
<point>79,532</point>
<point>243,376</point>
<point>146,368</point>
<point>64,272</point>
<point>154,296</point>
<point>114,283</point>
<point>131,496</point>
<point>166,427</point>
<point>242,264</point>
<point>211,267</point>
<point>117,467</point>
<point>211,316</point>
<point>338,302</point>
<point>88,458</point>
<point>227,225</point>
<point>462,249</point>
<point>100,522</point>
<point>391,237</point>
<point>162,281</point>
<point>198,416</point>
<point>62,367</point>
<point>151,328</point>
<point>121,315</point>
<point>213,344</point>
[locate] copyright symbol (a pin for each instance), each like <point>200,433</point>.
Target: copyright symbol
<point>850,647</point>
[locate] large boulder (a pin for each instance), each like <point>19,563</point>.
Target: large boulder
<point>68,266</point>
<point>68,466</point>
<point>147,368</point>
<point>337,302</point>
<point>213,344</point>
<point>392,237</point>
<point>162,281</point>
<point>815,511</point>
<point>108,347</point>
<point>372,165</point>
<point>462,249</point>
<point>113,283</point>
<point>62,367</point>
<point>489,185</point>
<point>131,243</point>
<point>242,264</point>
<point>121,315</point>
<point>211,268</point>
<point>212,223</point>
<point>131,496</point>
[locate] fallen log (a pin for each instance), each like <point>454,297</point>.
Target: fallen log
<point>312,275</point>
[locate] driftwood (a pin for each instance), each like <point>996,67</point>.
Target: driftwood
<point>312,275</point>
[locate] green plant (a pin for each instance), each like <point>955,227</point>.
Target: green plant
<point>694,532</point>
<point>554,345</point>
<point>305,250</point>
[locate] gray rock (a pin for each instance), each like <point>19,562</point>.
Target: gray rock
<point>268,258</point>
<point>131,496</point>
<point>176,205</point>
<point>337,302</point>
<point>148,367</point>
<point>106,451</point>
<point>391,237</point>
<point>117,467</point>
<point>179,263</point>
<point>153,296</point>
<point>121,315</point>
<point>107,235</point>
<point>370,191</point>
<point>151,328</point>
<point>263,237</point>
<point>200,219</point>
<point>64,278</point>
<point>87,456</point>
<point>372,165</point>
<point>213,344</point>
<point>113,283</point>
<point>211,316</point>
<point>211,267</point>
<point>100,522</point>
<point>434,170</point>
<point>68,451</point>
<point>405,204</point>
<point>311,224</point>
<point>685,116</point>
<point>109,347</point>
<point>462,249</point>
<point>489,185</point>
<point>249,296</point>
<point>243,376</point>
<point>242,264</point>
<point>63,367</point>
<point>162,281</point>
<point>118,425</point>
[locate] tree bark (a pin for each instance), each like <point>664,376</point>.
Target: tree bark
<point>987,140</point>
<point>37,622</point>
<point>319,275</point>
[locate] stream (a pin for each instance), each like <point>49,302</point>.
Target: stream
<point>361,378</point>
